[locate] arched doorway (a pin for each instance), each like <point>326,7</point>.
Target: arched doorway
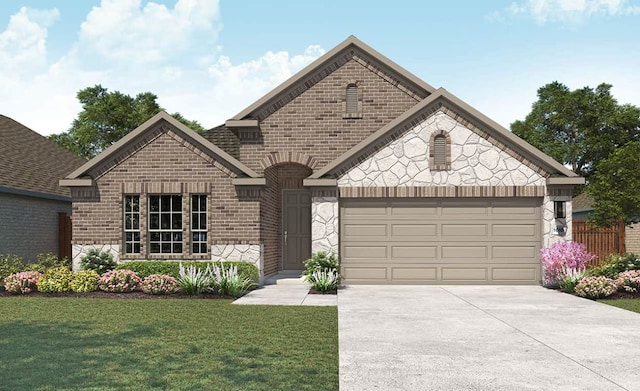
<point>285,215</point>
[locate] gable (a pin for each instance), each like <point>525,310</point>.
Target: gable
<point>459,112</point>
<point>352,49</point>
<point>474,160</point>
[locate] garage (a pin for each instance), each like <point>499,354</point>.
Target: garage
<point>440,241</point>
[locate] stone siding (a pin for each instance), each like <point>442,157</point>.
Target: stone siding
<point>250,253</point>
<point>312,123</point>
<point>324,224</point>
<point>29,225</point>
<point>632,238</point>
<point>165,164</point>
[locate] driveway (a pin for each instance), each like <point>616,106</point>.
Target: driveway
<point>483,338</point>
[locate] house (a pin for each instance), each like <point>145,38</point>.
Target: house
<point>30,196</point>
<point>353,155</point>
<point>583,207</point>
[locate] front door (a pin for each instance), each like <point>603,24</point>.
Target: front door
<point>296,228</point>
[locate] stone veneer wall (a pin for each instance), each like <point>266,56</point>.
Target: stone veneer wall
<point>475,162</point>
<point>324,223</point>
<point>250,253</point>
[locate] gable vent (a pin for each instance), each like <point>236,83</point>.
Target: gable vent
<point>439,150</point>
<point>352,98</point>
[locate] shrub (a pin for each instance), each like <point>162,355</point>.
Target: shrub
<point>571,278</point>
<point>172,268</point>
<point>320,261</point>
<point>22,283</point>
<point>55,280</point>
<point>97,260</point>
<point>10,264</point>
<point>629,281</point>
<point>193,280</point>
<point>562,256</point>
<point>596,287</point>
<point>119,281</point>
<point>324,280</point>
<point>85,281</point>
<point>46,261</point>
<point>615,264</point>
<point>159,284</point>
<point>227,281</point>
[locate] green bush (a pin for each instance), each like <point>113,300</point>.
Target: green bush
<point>320,261</point>
<point>97,260</point>
<point>9,264</point>
<point>172,268</point>
<point>46,261</point>
<point>55,280</point>
<point>324,280</point>
<point>596,287</point>
<point>85,281</point>
<point>615,264</point>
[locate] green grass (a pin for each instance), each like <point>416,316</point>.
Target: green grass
<point>165,344</point>
<point>627,304</point>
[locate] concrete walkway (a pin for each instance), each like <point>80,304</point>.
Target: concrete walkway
<point>483,338</point>
<point>286,295</point>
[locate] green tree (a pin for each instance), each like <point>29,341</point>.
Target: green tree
<point>615,186</point>
<point>106,117</point>
<point>579,128</point>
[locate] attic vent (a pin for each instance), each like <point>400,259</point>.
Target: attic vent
<point>440,150</point>
<point>352,98</point>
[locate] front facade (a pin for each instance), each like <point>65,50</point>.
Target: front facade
<point>354,156</point>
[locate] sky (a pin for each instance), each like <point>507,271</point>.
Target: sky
<point>209,59</point>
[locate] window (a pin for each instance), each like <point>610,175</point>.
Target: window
<point>165,224</point>
<point>199,224</point>
<point>440,150</point>
<point>132,224</point>
<point>352,99</point>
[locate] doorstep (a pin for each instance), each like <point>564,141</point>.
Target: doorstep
<point>286,288</point>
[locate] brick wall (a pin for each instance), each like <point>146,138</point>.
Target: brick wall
<point>632,238</point>
<point>166,164</point>
<point>281,177</point>
<point>313,122</point>
<point>29,225</point>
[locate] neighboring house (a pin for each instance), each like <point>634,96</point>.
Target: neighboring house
<point>30,196</point>
<point>583,210</point>
<point>353,155</point>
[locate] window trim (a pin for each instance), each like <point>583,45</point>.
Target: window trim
<point>132,230</point>
<point>171,230</point>
<point>204,230</point>
<point>447,151</point>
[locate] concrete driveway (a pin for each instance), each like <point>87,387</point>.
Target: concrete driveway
<point>483,338</point>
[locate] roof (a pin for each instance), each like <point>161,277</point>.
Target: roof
<point>31,162</point>
<point>449,100</point>
<point>582,202</point>
<point>304,79</point>
<point>190,134</point>
<point>224,138</point>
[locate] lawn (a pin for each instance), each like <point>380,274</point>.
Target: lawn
<point>165,344</point>
<point>627,304</point>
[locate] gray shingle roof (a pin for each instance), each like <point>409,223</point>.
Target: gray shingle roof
<point>29,161</point>
<point>225,139</point>
<point>582,201</point>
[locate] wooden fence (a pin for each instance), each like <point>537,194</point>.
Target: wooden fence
<point>600,241</point>
<point>64,235</point>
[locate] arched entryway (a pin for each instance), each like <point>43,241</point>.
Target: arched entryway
<point>285,215</point>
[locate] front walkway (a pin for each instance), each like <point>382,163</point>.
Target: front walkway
<point>286,295</point>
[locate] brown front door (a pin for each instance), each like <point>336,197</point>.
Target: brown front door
<point>296,228</point>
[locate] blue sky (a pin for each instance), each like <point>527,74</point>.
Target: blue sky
<point>209,59</point>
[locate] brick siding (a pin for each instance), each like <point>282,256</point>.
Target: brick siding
<point>165,165</point>
<point>632,238</point>
<point>313,124</point>
<point>29,225</point>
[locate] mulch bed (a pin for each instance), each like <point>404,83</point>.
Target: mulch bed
<point>315,292</point>
<point>107,295</point>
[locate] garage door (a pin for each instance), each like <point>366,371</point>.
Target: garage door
<point>440,241</point>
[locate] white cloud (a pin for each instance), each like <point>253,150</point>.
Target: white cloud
<point>123,30</point>
<point>23,42</point>
<point>571,11</point>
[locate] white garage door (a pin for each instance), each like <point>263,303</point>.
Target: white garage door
<point>440,241</point>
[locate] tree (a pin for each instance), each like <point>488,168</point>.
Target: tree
<point>106,117</point>
<point>579,128</point>
<point>615,186</point>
